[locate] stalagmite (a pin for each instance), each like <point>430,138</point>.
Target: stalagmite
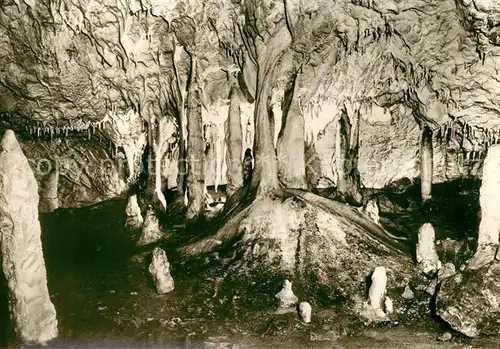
<point>49,201</point>
<point>346,159</point>
<point>151,231</point>
<point>489,227</point>
<point>195,148</point>
<point>427,257</point>
<point>305,311</point>
<point>134,218</point>
<point>286,297</point>
<point>376,294</point>
<point>234,145</point>
<point>160,272</point>
<point>426,164</point>
<point>291,146</point>
<point>32,312</point>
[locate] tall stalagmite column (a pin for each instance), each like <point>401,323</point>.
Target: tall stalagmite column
<point>489,228</point>
<point>291,146</point>
<point>234,141</point>
<point>32,311</point>
<point>346,159</point>
<point>195,147</point>
<point>426,164</point>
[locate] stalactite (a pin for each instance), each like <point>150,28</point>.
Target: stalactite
<point>426,163</point>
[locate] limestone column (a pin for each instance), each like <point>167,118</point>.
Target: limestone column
<point>32,312</point>
<point>489,227</point>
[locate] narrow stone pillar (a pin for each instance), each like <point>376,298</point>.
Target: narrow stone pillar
<point>488,236</point>
<point>49,200</point>
<point>32,312</point>
<point>426,164</point>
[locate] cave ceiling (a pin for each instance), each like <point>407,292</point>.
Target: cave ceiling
<point>72,62</point>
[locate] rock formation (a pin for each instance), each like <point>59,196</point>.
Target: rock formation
<point>151,231</point>
<point>371,210</point>
<point>305,311</point>
<point>49,195</point>
<point>470,303</point>
<point>234,139</point>
<point>381,91</point>
<point>134,218</point>
<point>160,272</point>
<point>489,228</point>
<point>32,311</point>
<point>286,297</point>
<point>376,294</point>
<point>427,257</point>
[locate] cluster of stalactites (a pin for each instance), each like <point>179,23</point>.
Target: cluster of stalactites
<point>474,141</point>
<point>40,129</point>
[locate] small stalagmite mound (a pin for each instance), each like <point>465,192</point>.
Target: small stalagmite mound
<point>134,218</point>
<point>32,312</point>
<point>160,272</point>
<point>151,231</point>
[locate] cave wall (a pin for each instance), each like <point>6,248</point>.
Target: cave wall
<point>89,172</point>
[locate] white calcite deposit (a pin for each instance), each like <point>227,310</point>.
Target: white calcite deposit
<point>376,294</point>
<point>286,297</point>
<point>134,218</point>
<point>427,257</point>
<point>489,228</point>
<point>305,311</point>
<point>32,312</point>
<point>160,272</point>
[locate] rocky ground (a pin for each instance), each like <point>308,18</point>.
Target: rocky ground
<point>105,298</point>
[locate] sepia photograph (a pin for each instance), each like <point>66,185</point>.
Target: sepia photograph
<point>250,174</point>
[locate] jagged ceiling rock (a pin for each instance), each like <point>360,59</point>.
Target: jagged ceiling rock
<point>71,62</point>
<point>75,60</point>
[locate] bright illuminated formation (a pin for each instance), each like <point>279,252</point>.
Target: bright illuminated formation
<point>33,313</point>
<point>427,257</point>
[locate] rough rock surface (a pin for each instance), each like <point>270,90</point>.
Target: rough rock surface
<point>160,271</point>
<point>32,311</point>
<point>49,194</point>
<point>89,172</point>
<point>489,228</point>
<point>390,61</point>
<point>133,215</point>
<point>469,302</point>
<point>151,231</point>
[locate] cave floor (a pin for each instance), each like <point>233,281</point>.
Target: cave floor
<point>105,299</point>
